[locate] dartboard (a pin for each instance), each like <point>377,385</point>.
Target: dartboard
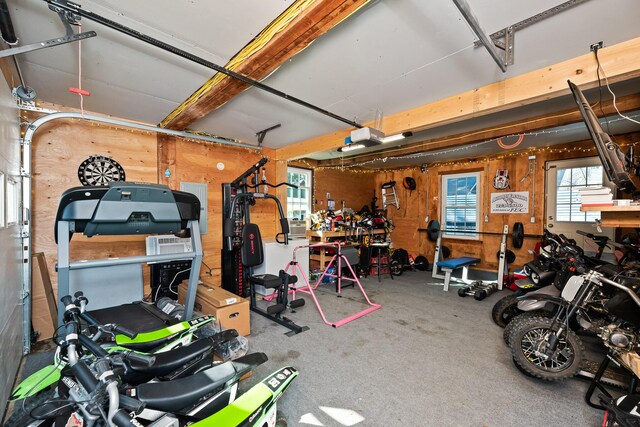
<point>100,170</point>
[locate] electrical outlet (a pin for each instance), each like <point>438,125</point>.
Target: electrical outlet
<point>533,220</point>
<point>596,46</point>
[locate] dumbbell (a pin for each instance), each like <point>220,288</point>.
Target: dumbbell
<point>481,294</point>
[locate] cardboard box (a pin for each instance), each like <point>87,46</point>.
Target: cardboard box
<point>230,310</point>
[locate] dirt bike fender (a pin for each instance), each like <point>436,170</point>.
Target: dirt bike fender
<point>257,406</point>
<point>532,301</point>
<point>36,382</point>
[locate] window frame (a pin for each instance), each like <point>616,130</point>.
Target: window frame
<point>3,201</point>
<point>443,205</point>
<point>589,216</point>
<point>308,188</point>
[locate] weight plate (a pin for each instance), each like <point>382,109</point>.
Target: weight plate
<point>445,252</point>
<point>517,236</point>
<point>433,228</point>
<point>421,263</point>
<point>509,256</point>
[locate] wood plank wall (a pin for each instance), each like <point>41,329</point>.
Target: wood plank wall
<point>59,147</point>
<point>354,188</point>
<point>195,162</point>
<point>415,207</point>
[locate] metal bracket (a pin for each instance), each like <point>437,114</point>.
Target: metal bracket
<point>504,39</point>
<point>47,43</point>
<point>473,22</point>
<point>67,19</point>
<point>263,133</point>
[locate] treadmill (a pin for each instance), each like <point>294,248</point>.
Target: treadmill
<point>114,286</point>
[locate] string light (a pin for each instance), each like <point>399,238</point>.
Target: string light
<point>468,147</point>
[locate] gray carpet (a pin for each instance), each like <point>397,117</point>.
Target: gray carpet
<point>427,358</point>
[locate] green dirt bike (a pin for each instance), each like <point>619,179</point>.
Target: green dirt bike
<point>174,346</point>
<point>92,392</point>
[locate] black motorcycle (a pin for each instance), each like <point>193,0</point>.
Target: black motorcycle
<point>603,302</point>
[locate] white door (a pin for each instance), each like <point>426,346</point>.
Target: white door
<point>563,215</point>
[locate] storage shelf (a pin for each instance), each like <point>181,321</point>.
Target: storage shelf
<point>635,208</point>
<point>617,216</point>
<point>320,236</point>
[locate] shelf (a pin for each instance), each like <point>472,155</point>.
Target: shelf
<point>635,208</point>
<point>617,216</point>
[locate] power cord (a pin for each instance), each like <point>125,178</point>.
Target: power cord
<point>208,273</point>
<point>170,284</point>
<point>606,81</point>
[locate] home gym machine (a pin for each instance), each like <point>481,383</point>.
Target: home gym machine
<point>111,284</point>
<point>242,246</point>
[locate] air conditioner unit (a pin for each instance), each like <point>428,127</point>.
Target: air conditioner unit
<point>167,244</point>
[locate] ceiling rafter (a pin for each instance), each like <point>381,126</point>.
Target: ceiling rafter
<point>621,62</point>
<point>546,121</point>
<point>312,19</point>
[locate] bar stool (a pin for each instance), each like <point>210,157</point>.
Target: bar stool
<point>382,258</point>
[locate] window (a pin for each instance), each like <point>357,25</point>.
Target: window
<point>13,204</point>
<point>569,181</point>
<point>460,207</point>
<point>299,199</point>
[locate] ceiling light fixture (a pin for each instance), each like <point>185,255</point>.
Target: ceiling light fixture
<point>351,147</point>
<point>369,137</point>
<point>396,137</point>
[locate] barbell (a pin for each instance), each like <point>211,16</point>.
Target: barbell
<point>517,234</point>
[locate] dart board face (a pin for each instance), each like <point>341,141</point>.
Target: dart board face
<point>100,171</point>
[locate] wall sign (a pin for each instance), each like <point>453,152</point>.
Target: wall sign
<point>511,202</point>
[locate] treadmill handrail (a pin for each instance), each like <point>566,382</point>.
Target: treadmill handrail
<point>107,262</point>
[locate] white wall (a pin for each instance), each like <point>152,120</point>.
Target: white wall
<point>11,308</point>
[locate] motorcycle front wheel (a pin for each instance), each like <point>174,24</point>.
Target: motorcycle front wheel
<point>505,309</point>
<point>529,343</point>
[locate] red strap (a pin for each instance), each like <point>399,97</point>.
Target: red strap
<point>80,91</point>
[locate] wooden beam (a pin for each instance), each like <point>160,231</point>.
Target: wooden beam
<point>550,120</point>
<point>620,61</point>
<point>258,60</point>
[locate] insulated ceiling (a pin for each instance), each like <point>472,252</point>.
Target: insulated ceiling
<point>391,56</point>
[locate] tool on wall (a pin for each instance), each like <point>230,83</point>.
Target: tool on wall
<point>487,195</point>
<point>531,172</point>
<point>409,183</point>
<point>424,170</point>
<point>389,195</point>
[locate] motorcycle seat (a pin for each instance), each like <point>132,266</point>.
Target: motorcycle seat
<point>178,394</point>
<point>171,360</point>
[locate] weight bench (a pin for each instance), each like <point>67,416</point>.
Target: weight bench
<point>450,265</point>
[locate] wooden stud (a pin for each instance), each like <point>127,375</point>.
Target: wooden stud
<point>621,62</point>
